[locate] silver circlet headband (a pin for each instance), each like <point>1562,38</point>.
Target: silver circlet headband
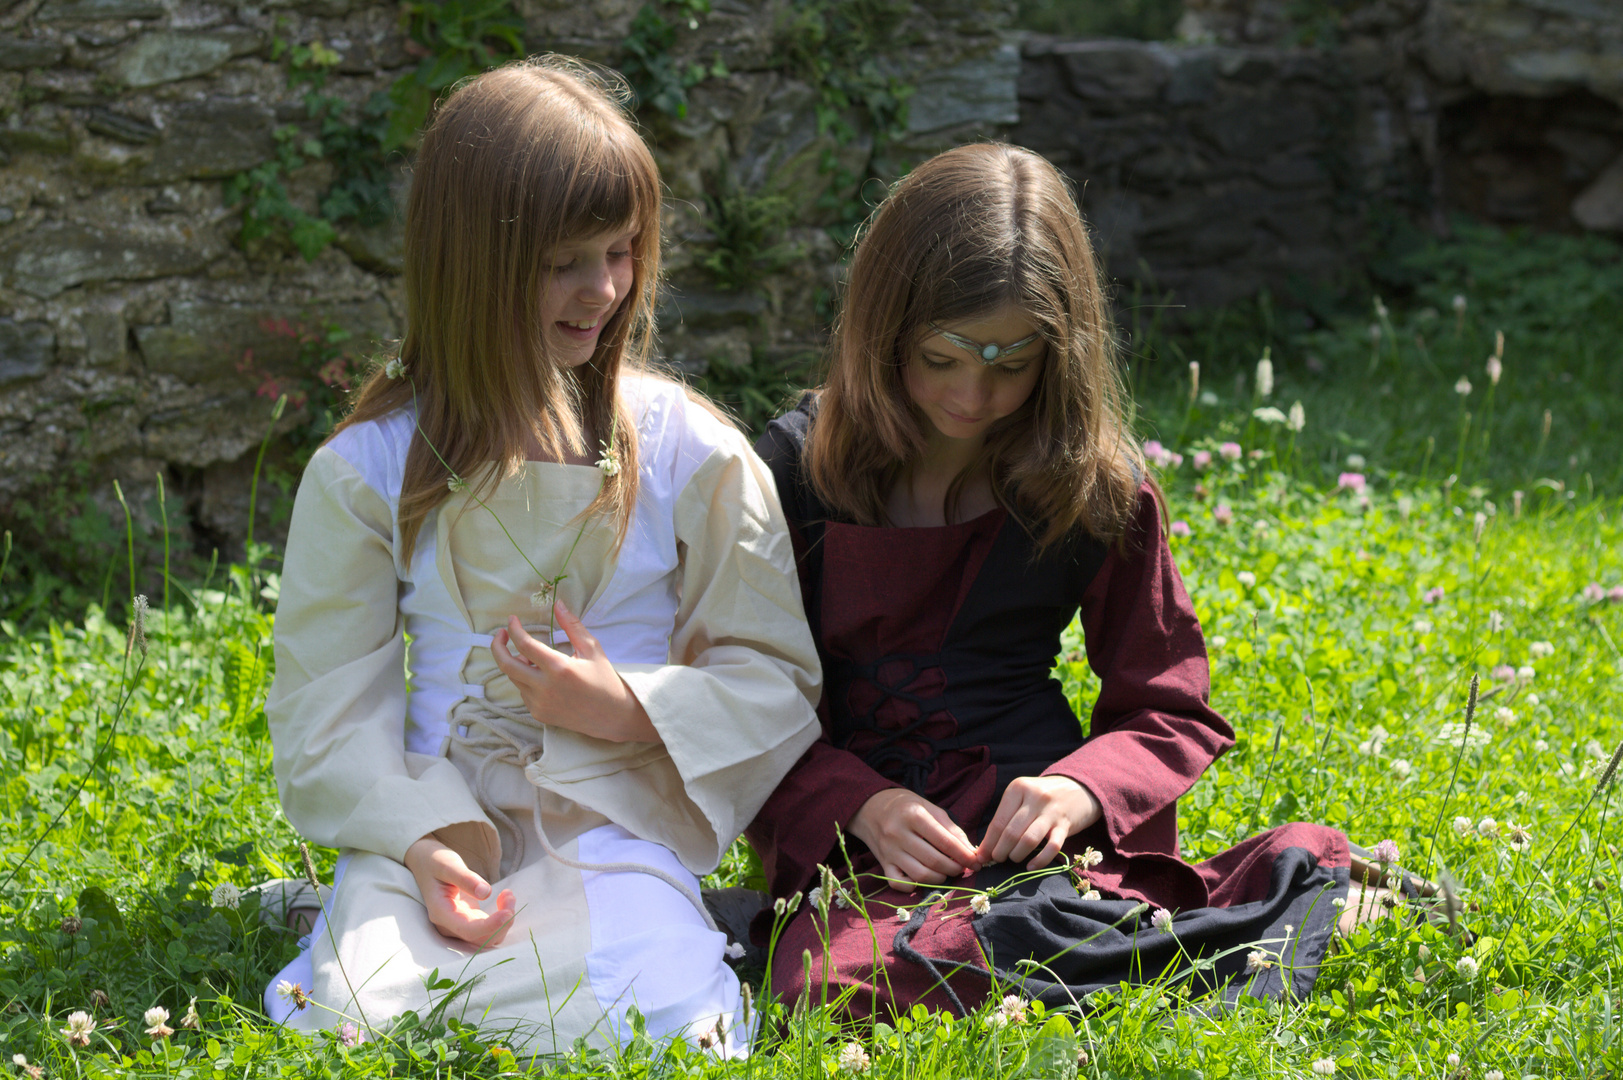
<point>988,353</point>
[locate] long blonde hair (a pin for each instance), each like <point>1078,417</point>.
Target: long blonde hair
<point>515,163</point>
<point>966,233</point>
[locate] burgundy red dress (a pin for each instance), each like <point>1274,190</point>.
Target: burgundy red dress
<point>937,646</point>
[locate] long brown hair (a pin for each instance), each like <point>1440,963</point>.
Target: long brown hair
<point>514,163</point>
<point>965,234</point>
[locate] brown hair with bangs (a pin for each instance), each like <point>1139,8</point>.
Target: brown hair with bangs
<point>516,162</point>
<point>966,233</point>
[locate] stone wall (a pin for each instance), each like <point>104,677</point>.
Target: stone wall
<point>139,335</point>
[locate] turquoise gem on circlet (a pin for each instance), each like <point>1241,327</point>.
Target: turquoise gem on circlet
<point>989,352</point>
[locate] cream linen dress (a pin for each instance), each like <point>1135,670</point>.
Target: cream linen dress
<point>699,609</point>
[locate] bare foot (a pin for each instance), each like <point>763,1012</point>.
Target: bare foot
<point>1364,904</point>
<point>301,920</point>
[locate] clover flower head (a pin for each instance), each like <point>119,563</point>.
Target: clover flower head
<point>1161,919</point>
<point>1339,903</point>
<point>1594,592</point>
<point>1540,746</point>
<point>1091,894</point>
<point>1518,837</point>
<point>191,1020</point>
<point>292,991</point>
<point>1433,595</point>
<point>1256,961</point>
<point>1525,673</point>
<point>1351,481</point>
<point>350,1035</point>
<point>1246,578</point>
<point>1487,828</point>
<point>815,897</point>
<point>1323,1067</point>
<point>1463,826</point>
<point>902,915</point>
<point>1452,1060</point>
<point>81,1025</point>
<point>394,369</point>
<point>1467,967</point>
<point>1202,459</point>
<point>157,1022</point>
<point>1422,626</point>
<point>1532,701</point>
<point>1463,387</point>
<point>1402,768</point>
<point>609,463</point>
<point>543,596</point>
<point>980,904</point>
<point>1493,1074</point>
<point>1180,528</point>
<point>1541,649</point>
<point>1615,594</point>
<point>1223,514</point>
<point>1230,451</point>
<point>1090,857</point>
<point>1386,852</point>
<point>853,1058</point>
<point>456,484</point>
<point>1013,1009</point>
<point>1503,714</point>
<point>1503,673</point>
<point>225,895</point>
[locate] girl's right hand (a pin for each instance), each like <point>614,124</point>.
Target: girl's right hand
<point>451,891</point>
<point>913,838</point>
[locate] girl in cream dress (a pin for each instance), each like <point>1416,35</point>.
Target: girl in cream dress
<point>540,652</point>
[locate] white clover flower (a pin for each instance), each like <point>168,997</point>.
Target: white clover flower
<point>1503,714</point>
<point>1208,397</point>
<point>394,369</point>
<point>1265,377</point>
<point>1296,419</point>
<point>1463,387</point>
<point>840,899</point>
<point>980,904</point>
<point>1595,750</point>
<point>157,1022</point>
<point>1452,1061</point>
<point>81,1025</point>
<point>1454,733</point>
<point>1540,746</point>
<point>1402,768</point>
<point>853,1058</point>
<point>1324,1067</point>
<point>609,463</point>
<point>543,596</point>
<point>456,484</point>
<point>1218,641</point>
<point>1422,626</point>
<point>1525,673</point>
<point>1518,837</point>
<point>1339,903</point>
<point>226,895</point>
<point>1091,894</point>
<point>1493,1074</point>
<point>1161,919</point>
<point>902,915</point>
<point>1532,701</point>
<point>1463,826</point>
<point>1467,967</point>
<point>19,1061</point>
<point>1356,462</point>
<point>1541,649</point>
<point>1487,828</point>
<point>191,1019</point>
<point>815,897</point>
<point>1090,858</point>
<point>1377,738</point>
<point>1268,414</point>
<point>1496,621</point>
<point>1257,960</point>
<point>1013,1008</point>
<point>1246,578</point>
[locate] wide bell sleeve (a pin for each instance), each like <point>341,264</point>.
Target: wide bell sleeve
<point>734,704</point>
<point>1153,731</point>
<point>337,706</point>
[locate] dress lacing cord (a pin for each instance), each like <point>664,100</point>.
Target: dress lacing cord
<point>888,757</point>
<point>496,735</point>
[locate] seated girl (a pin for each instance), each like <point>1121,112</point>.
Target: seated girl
<point>540,653</point>
<point>964,482</point>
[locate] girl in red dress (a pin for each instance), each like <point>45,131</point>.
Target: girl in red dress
<point>962,483</point>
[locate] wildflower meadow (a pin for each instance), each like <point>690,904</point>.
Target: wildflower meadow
<point>1412,593</point>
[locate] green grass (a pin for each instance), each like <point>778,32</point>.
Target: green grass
<point>132,784</point>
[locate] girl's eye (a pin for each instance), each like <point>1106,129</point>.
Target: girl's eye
<point>1007,370</point>
<point>558,268</point>
<point>937,365</point>
<point>620,254</point>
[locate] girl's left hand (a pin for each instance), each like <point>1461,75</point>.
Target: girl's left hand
<point>582,692</point>
<point>1038,813</point>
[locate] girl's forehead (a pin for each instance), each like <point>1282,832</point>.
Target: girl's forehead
<point>624,231</point>
<point>1004,326</point>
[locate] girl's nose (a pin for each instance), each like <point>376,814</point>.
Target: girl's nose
<point>598,288</point>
